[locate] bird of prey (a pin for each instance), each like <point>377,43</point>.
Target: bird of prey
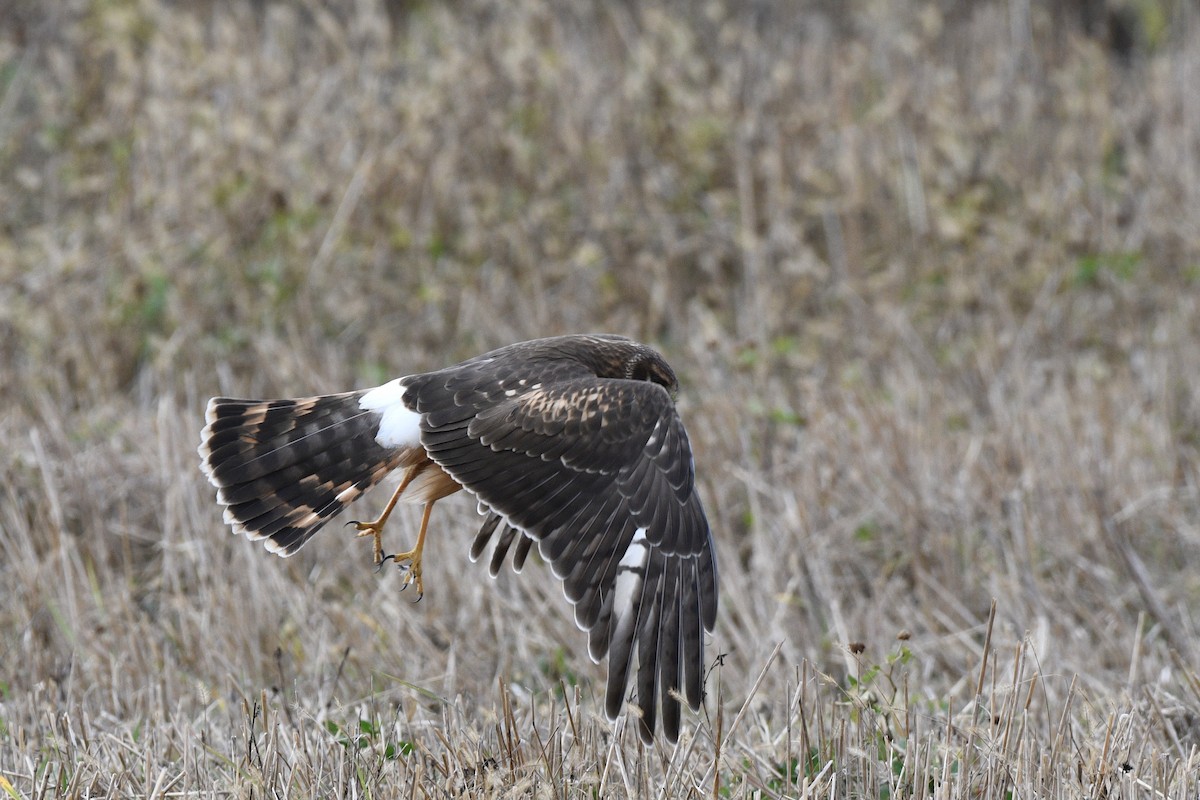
<point>571,443</point>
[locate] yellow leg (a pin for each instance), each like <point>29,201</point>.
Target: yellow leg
<point>375,527</point>
<point>413,557</point>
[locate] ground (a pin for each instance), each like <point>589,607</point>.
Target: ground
<point>929,275</point>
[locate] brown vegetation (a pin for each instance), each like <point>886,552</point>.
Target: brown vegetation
<point>929,274</point>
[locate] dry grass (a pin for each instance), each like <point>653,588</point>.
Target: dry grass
<point>931,281</point>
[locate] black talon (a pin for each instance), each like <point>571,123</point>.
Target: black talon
<point>351,522</point>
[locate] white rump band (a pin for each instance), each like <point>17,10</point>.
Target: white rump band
<point>398,427</point>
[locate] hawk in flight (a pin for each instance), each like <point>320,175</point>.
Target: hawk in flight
<point>571,443</point>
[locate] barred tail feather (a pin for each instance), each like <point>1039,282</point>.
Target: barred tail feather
<point>283,468</point>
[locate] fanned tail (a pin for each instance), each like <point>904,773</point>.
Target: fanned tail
<point>283,468</point>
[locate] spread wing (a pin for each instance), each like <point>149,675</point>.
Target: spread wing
<point>599,472</point>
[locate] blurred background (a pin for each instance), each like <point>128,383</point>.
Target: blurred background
<point>928,272</point>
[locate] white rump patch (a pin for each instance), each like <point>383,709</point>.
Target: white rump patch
<point>398,427</point>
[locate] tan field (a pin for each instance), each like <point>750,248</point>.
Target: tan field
<point>929,274</point>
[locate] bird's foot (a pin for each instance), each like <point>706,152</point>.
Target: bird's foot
<point>374,529</point>
<point>410,564</point>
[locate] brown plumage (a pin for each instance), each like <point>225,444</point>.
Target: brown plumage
<point>570,443</point>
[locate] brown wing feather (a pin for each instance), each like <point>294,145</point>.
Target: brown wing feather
<point>599,472</point>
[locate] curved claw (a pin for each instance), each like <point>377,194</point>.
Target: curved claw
<point>383,560</point>
<point>412,574</point>
<point>420,590</point>
<point>351,522</point>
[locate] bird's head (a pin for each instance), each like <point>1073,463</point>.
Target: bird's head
<point>648,365</point>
